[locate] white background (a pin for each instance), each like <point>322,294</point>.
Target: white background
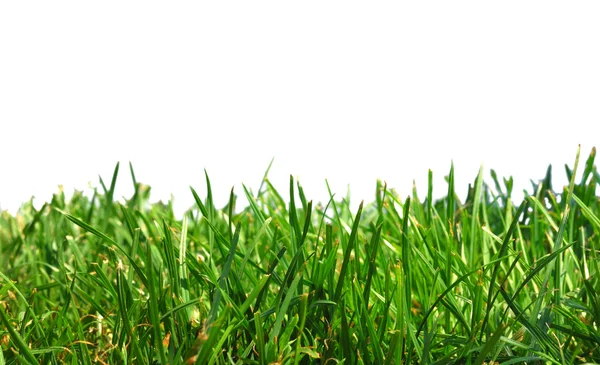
<point>345,91</point>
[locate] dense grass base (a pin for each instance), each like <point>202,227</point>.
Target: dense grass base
<point>400,281</point>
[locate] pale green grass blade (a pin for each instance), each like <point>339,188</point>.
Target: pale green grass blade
<point>588,213</point>
<point>182,267</point>
<point>87,227</point>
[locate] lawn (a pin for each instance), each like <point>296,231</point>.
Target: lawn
<point>400,280</point>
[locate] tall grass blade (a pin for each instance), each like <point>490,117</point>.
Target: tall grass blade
<point>349,249</point>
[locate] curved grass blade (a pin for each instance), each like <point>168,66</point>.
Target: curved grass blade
<point>99,234</point>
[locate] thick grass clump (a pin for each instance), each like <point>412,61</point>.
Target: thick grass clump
<point>399,281</point>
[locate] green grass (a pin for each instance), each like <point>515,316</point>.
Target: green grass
<point>401,280</point>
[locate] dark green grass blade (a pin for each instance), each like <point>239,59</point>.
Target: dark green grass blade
<point>371,259</point>
<point>109,193</point>
<point>348,354</point>
<point>260,338</point>
<point>293,217</point>
<point>133,179</point>
<point>406,257</point>
<point>489,346</point>
<point>154,294</point>
<point>113,183</point>
<point>222,283</point>
<point>231,207</point>
<point>213,230</point>
<point>207,340</point>
<point>349,248</point>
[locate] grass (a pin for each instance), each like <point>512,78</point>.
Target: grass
<point>401,280</point>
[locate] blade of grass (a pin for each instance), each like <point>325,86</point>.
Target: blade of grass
<point>153,298</point>
<point>282,311</point>
<point>350,247</point>
<point>223,277</point>
<point>489,346</point>
<point>302,313</point>
<point>374,245</point>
